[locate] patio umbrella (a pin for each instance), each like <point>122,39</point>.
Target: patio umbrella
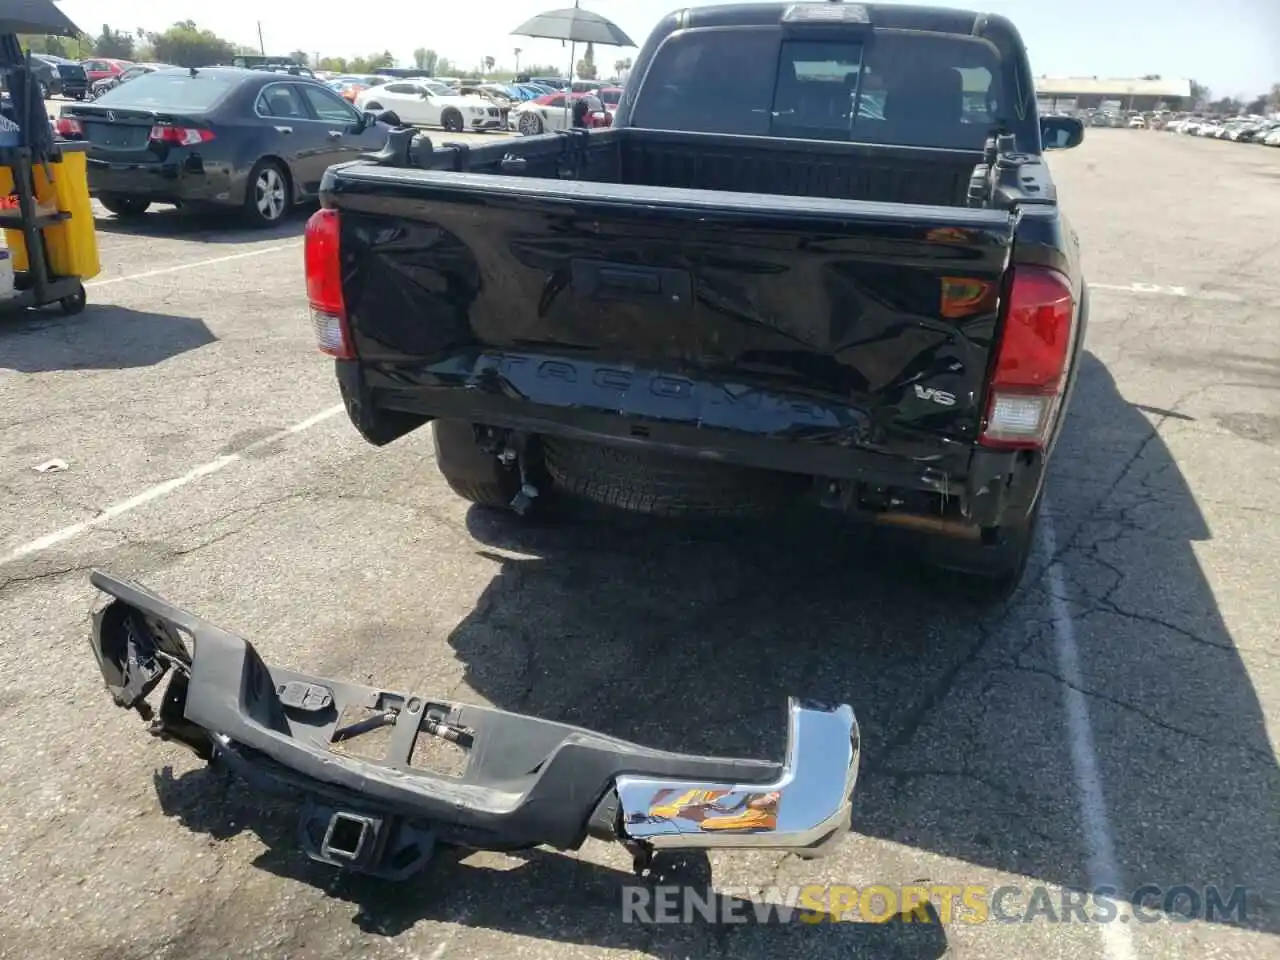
<point>35,16</point>
<point>38,17</point>
<point>574,26</point>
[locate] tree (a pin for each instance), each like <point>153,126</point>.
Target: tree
<point>444,68</point>
<point>54,46</point>
<point>1274,97</point>
<point>186,45</point>
<point>517,52</point>
<point>425,59</point>
<point>1226,105</point>
<point>300,56</point>
<point>1199,94</point>
<point>542,70</point>
<point>336,64</point>
<point>489,63</point>
<point>114,44</point>
<point>372,62</point>
<point>586,68</point>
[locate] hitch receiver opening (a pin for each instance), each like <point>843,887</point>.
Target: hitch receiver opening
<point>349,836</point>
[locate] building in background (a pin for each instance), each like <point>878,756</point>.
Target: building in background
<point>1068,94</point>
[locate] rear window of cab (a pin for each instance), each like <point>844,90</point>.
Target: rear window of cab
<point>909,88</point>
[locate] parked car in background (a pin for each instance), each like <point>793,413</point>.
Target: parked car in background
<point>555,112</point>
<point>1256,131</point>
<point>216,137</point>
<point>137,70</point>
<point>424,102</point>
<point>60,77</point>
<point>99,68</point>
<point>350,86</point>
<point>610,96</point>
<point>1137,123</point>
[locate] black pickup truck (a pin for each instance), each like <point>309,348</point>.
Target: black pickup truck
<point>818,255</point>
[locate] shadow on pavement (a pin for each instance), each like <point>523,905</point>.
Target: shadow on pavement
<point>543,895</point>
<point>103,337</point>
<point>214,225</point>
<point>692,639</point>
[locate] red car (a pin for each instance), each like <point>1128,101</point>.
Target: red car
<point>548,113</point>
<point>610,97</point>
<point>100,68</point>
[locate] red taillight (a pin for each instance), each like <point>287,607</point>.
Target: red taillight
<point>1034,353</point>
<point>324,285</point>
<point>180,136</point>
<point>68,127</point>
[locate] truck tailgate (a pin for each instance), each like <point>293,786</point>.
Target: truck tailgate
<point>884,310</point>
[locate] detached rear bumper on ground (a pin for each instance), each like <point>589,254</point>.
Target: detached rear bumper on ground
<point>527,781</point>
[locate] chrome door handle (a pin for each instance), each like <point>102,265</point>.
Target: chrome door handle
<point>284,129</point>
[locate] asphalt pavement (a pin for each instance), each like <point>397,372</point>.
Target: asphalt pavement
<point>1115,724</point>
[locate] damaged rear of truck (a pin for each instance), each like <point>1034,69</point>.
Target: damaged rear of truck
<point>818,257</point>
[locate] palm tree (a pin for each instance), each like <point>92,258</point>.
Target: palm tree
<point>518,52</point>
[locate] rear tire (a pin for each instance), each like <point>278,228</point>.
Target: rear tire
<point>471,472</point>
<point>1005,563</point>
<point>268,194</point>
<point>660,485</point>
<point>125,207</point>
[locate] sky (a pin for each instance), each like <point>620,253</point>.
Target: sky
<point>1231,46</point>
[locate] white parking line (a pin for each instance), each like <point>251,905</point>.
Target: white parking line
<point>1099,837</point>
<point>165,488</point>
<point>198,263</point>
<point>1188,293</point>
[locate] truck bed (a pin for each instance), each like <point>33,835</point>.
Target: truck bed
<point>736,164</point>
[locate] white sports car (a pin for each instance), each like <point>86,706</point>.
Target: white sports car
<point>426,103</point>
<point>554,111</point>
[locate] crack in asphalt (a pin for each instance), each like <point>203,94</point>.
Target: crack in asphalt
<point>1264,755</point>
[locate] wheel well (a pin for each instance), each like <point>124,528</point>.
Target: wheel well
<point>373,105</point>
